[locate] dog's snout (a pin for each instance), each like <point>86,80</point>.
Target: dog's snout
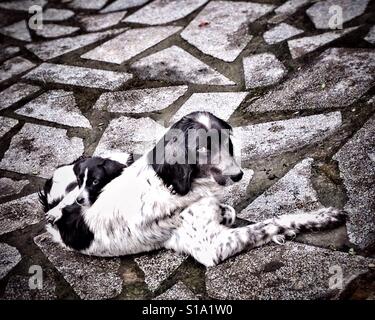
<point>80,200</point>
<point>237,177</point>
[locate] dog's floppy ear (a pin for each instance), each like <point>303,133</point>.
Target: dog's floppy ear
<point>112,168</point>
<point>179,176</point>
<point>78,165</point>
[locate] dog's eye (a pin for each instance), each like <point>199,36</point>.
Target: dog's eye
<point>202,149</point>
<point>95,182</point>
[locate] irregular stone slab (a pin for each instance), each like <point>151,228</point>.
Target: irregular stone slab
<point>290,194</point>
<point>357,169</point>
<point>262,70</point>
<point>51,30</point>
<point>10,187</point>
<point>5,19</point>
<point>55,48</point>
<point>87,5</point>
<point>221,104</point>
<point>16,93</point>
<point>122,5</point>
<point>294,193</point>
<point>281,32</point>
<point>178,292</point>
<point>20,213</point>
<point>273,138</point>
<point>9,258</point>
<point>129,44</point>
<point>22,5</point>
<point>129,135</point>
<point>164,11</point>
<point>8,51</point>
<point>6,124</point>
<point>90,277</point>
<point>370,37</point>
<point>79,76</point>
<point>225,31</point>
<point>18,288</point>
<point>301,46</point>
<point>38,150</point>
<point>56,106</point>
<point>177,65</point>
<point>334,239</point>
<point>289,272</point>
<point>235,193</point>
<point>139,100</point>
<point>291,6</point>
<point>17,31</point>
<point>14,67</point>
<point>337,79</point>
<point>52,14</point>
<point>320,14</point>
<point>101,21</point>
<point>158,266</point>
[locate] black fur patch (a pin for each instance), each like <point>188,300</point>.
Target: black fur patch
<point>130,160</point>
<point>43,201</point>
<point>42,194</point>
<point>74,231</point>
<point>71,187</point>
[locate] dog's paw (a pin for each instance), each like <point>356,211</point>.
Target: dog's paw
<point>228,215</point>
<point>333,216</point>
<point>53,216</point>
<point>290,234</point>
<point>339,216</point>
<point>279,239</point>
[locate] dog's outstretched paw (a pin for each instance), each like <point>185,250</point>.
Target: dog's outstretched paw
<point>334,216</point>
<point>290,234</point>
<point>279,239</point>
<point>340,216</point>
<point>53,216</point>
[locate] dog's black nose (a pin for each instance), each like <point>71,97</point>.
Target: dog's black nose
<point>237,177</point>
<point>80,200</point>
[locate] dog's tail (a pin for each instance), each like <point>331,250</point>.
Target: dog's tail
<point>276,229</point>
<point>43,197</point>
<point>43,200</point>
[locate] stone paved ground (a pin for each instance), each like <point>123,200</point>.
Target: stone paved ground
<point>113,74</point>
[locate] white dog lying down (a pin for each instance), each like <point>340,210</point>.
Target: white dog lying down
<point>173,204</point>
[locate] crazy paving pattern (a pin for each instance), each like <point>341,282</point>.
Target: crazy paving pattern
<point>111,75</point>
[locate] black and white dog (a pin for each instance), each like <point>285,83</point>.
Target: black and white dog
<point>75,187</point>
<point>89,174</point>
<point>170,198</point>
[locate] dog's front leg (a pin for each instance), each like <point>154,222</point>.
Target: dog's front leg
<point>201,224</point>
<point>55,213</point>
<point>210,242</point>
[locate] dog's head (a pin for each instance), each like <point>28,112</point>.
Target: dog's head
<point>92,175</point>
<point>197,146</point>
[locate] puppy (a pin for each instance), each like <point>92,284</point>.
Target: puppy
<point>62,182</point>
<point>92,175</point>
<point>65,200</point>
<point>89,174</point>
